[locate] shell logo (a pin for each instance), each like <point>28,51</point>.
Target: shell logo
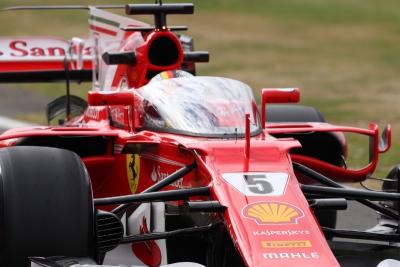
<point>272,213</point>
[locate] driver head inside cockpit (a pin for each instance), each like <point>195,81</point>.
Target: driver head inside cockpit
<point>169,74</point>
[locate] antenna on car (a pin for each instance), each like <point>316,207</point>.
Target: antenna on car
<point>67,60</point>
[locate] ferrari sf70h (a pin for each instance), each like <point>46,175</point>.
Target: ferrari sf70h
<point>161,167</point>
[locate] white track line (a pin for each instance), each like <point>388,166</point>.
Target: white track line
<point>7,123</point>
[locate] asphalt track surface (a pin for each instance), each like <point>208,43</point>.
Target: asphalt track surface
<point>17,103</point>
<point>356,217</point>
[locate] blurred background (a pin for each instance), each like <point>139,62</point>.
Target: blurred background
<point>344,55</point>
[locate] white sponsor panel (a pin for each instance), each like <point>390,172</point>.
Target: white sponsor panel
<point>108,36</point>
<point>389,263</point>
<point>147,218</point>
<point>258,183</point>
<point>36,49</point>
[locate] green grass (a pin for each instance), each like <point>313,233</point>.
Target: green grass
<point>343,54</point>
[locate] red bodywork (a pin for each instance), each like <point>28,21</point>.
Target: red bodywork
<point>277,230</point>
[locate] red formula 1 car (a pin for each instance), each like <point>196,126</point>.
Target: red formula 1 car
<point>162,167</point>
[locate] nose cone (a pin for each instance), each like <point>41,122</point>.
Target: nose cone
<point>267,215</point>
<point>276,228</point>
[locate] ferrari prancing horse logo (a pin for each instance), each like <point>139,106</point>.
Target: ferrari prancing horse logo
<point>133,171</point>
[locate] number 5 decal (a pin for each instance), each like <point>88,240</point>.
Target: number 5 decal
<point>258,183</point>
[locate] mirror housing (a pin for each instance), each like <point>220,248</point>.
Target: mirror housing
<point>278,96</point>
<point>385,141</point>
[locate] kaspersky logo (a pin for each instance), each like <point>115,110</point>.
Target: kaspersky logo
<point>272,213</point>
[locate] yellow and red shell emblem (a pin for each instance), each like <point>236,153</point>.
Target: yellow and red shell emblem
<point>272,213</point>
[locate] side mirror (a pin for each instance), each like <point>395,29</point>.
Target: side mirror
<point>277,95</point>
<point>385,141</point>
<point>78,46</point>
<point>111,98</point>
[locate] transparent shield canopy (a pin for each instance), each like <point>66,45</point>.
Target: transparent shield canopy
<point>200,106</point>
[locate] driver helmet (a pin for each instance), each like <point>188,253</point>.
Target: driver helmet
<point>169,74</point>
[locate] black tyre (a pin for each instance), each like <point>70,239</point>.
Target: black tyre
<point>47,206</point>
<point>330,147</point>
<point>390,184</point>
<point>293,113</point>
